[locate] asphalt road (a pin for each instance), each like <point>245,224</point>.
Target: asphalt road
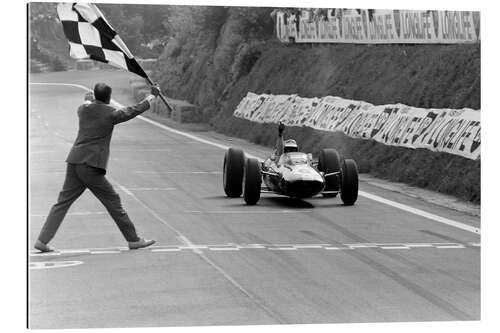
<point>217,261</point>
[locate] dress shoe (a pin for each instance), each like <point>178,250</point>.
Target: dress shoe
<point>43,247</point>
<point>141,243</point>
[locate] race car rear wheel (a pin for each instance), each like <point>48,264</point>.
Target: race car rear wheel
<point>349,186</point>
<point>252,181</point>
<point>329,161</point>
<point>232,178</point>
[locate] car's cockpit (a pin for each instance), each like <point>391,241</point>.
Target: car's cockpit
<point>294,158</point>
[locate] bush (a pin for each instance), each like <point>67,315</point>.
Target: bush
<point>246,56</point>
<point>56,65</point>
<point>35,66</point>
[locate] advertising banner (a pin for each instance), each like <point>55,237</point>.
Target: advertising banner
<point>444,130</point>
<point>370,26</point>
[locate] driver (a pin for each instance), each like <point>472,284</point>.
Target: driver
<point>284,146</point>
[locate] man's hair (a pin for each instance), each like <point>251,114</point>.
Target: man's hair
<point>102,92</point>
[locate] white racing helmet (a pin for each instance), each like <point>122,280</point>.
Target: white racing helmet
<point>290,146</point>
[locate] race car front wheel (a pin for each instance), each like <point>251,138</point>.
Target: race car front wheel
<point>252,181</point>
<point>232,175</point>
<point>349,184</point>
<point>328,162</point>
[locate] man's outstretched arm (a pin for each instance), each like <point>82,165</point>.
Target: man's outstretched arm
<point>129,112</point>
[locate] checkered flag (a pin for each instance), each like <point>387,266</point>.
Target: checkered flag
<point>91,37</point>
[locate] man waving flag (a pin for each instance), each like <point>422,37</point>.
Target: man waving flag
<point>91,37</point>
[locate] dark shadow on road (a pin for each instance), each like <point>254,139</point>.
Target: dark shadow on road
<point>218,197</point>
<point>287,202</point>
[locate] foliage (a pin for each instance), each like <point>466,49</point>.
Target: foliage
<point>56,65</point>
<point>245,58</point>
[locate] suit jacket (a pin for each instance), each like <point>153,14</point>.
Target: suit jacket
<point>96,124</point>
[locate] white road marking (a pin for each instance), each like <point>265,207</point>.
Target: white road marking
<point>418,245</point>
<point>277,211</point>
<point>77,251</point>
<point>395,247</point>
<point>197,248</point>
<point>124,189</point>
<point>337,248</point>
<point>105,252</point>
<point>312,246</point>
<point>53,264</point>
<point>377,198</point>
<point>180,172</point>
<point>361,246</point>
<point>73,214</point>
<point>186,241</point>
<point>187,135</point>
<point>450,246</point>
<point>141,150</point>
<point>43,254</point>
<point>166,250</point>
<point>252,246</point>
<point>422,213</point>
<point>151,188</point>
<point>224,249</point>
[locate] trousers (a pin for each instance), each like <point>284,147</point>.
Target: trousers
<point>78,178</point>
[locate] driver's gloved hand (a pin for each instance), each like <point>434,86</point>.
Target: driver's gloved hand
<point>281,128</point>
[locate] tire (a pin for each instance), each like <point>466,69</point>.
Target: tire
<point>349,186</point>
<point>252,181</point>
<point>232,175</point>
<point>329,161</point>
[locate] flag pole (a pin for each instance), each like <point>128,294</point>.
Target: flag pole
<point>170,108</point>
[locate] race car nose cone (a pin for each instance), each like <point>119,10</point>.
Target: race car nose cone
<point>303,188</point>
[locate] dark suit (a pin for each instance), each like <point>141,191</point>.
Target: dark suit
<point>86,168</point>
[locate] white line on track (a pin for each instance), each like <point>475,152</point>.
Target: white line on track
<point>395,247</point>
<point>180,172</point>
<point>367,195</point>
<point>73,214</point>
<point>151,188</point>
<point>166,250</point>
<point>361,246</point>
<point>422,213</point>
<point>277,211</point>
<point>141,150</point>
<point>104,252</point>
<point>336,248</point>
<point>224,249</point>
<point>418,245</point>
<point>53,264</point>
<point>196,248</point>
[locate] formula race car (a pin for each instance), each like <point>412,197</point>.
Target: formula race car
<point>292,174</point>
